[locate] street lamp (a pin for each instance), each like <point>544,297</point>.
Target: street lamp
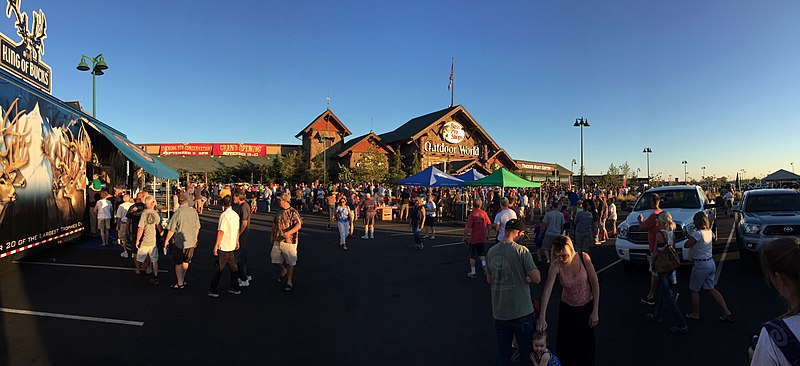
<point>98,66</point>
<point>704,172</point>
<point>647,151</point>
<point>581,122</point>
<point>684,171</point>
<point>572,170</point>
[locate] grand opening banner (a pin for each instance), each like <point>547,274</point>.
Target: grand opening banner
<point>240,150</point>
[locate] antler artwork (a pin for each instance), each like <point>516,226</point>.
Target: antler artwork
<point>33,39</point>
<point>15,141</point>
<point>68,155</point>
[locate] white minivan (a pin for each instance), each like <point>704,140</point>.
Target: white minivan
<point>682,202</point>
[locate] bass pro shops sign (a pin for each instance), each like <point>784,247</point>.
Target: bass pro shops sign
<point>24,58</point>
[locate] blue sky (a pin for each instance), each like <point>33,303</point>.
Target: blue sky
<point>712,82</point>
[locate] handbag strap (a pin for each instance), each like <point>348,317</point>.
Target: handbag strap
<point>784,338</point>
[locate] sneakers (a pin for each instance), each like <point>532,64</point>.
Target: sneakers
<point>234,292</point>
<point>213,294</point>
<point>365,236</point>
<point>372,235</point>
<point>249,278</point>
<point>648,300</point>
<point>123,254</point>
<point>419,246</point>
<point>425,236</point>
<point>432,237</point>
<point>154,281</point>
<point>472,275</point>
<point>244,283</point>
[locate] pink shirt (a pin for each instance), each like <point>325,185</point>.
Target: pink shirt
<point>576,290</point>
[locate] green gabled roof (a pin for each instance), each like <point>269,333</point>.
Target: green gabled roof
<point>414,126</point>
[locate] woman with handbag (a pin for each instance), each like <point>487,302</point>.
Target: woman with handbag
<point>703,270</point>
<point>665,261</point>
<point>580,300</point>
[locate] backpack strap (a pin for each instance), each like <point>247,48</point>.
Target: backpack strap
<point>784,338</point>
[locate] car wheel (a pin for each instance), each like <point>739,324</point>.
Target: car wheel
<point>628,266</point>
<point>747,257</point>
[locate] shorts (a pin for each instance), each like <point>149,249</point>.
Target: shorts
<point>123,233</point>
<point>369,218</point>
<point>145,251</point>
<point>547,243</point>
<point>181,255</point>
<point>283,252</point>
<point>430,221</point>
<point>104,223</point>
<point>702,276</point>
<point>477,250</point>
<point>583,241</point>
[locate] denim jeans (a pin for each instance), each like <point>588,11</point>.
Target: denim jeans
<point>523,329</point>
<point>665,299</point>
<point>415,230</point>
<point>241,260</point>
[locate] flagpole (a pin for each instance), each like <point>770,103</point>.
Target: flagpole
<point>452,86</point>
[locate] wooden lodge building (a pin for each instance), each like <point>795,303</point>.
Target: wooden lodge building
<point>450,139</point>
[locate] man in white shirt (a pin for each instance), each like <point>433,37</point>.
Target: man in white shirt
<point>122,223</point>
<point>227,242</point>
<point>502,218</point>
<point>103,207</point>
<point>430,219</point>
<point>612,215</point>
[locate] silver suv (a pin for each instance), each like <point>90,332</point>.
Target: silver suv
<point>765,215</point>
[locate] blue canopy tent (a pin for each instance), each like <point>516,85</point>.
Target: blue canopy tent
<point>432,177</point>
<point>470,175</point>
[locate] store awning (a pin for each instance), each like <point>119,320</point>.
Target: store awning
<point>134,153</point>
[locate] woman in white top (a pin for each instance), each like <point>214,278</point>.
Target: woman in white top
<point>704,268</point>
<point>780,262</point>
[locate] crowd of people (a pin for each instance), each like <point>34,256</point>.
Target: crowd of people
<point>563,224</point>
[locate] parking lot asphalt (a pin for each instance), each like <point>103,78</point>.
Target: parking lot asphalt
<point>381,302</point>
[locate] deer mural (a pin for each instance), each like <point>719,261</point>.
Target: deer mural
<point>34,38</point>
<point>14,143</point>
<point>68,155</point>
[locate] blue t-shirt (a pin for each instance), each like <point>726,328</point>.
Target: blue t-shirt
<point>573,199</point>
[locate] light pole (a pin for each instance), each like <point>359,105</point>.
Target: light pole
<point>704,172</point>
<point>581,122</point>
<point>572,170</point>
<point>792,164</point>
<point>98,65</point>
<point>684,171</point>
<point>647,151</point>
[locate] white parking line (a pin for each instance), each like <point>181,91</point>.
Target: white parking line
<point>437,231</point>
<point>609,266</point>
<point>80,266</point>
<point>72,317</point>
<point>724,254</point>
<point>447,245</point>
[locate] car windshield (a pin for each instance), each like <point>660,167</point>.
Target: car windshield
<point>684,198</point>
<point>772,202</point>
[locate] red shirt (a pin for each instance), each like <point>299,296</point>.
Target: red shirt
<point>651,224</point>
<point>478,223</point>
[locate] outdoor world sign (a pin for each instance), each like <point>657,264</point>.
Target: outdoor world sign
<point>24,59</point>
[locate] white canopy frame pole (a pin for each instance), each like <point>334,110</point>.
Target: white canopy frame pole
<point>166,199</point>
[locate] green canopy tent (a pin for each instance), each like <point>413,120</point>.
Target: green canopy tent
<point>503,178</point>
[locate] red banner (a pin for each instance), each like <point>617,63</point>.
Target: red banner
<point>185,150</point>
<point>240,150</point>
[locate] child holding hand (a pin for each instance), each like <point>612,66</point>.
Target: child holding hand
<point>542,356</point>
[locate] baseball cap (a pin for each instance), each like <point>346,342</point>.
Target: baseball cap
<point>285,197</point>
<point>515,224</point>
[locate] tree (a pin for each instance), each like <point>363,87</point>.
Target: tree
<point>396,169</point>
<point>372,166</point>
<point>318,172</point>
<point>295,168</point>
<point>626,171</point>
<point>275,170</point>
<point>611,178</point>
<point>221,175</point>
<point>416,165</point>
<point>345,174</point>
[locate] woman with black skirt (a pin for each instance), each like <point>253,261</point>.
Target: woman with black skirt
<point>580,298</point>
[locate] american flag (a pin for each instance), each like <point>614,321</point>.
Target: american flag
<point>450,84</point>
